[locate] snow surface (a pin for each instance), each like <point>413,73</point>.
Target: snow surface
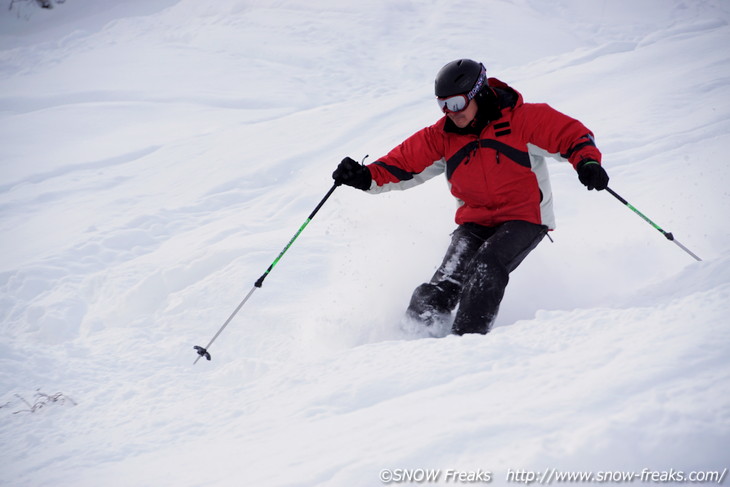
<point>158,154</point>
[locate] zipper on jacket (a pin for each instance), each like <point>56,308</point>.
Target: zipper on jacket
<point>471,153</point>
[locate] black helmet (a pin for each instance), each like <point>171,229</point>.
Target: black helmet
<point>460,77</point>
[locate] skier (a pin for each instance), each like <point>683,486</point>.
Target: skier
<point>491,146</point>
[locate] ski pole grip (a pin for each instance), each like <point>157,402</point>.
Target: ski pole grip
<point>617,196</point>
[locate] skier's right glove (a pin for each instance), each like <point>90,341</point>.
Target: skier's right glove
<point>351,173</point>
<point>592,175</point>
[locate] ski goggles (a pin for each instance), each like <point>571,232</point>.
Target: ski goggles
<point>458,103</point>
<point>453,104</point>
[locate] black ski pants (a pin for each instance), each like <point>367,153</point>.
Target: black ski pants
<point>474,274</point>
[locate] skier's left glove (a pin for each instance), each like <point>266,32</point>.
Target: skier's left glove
<point>351,173</point>
<point>592,175</point>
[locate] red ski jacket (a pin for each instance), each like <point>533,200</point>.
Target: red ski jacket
<point>496,175</point>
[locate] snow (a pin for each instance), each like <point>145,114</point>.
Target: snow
<point>157,155</point>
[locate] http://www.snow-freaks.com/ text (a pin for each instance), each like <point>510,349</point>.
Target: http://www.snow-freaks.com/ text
<point>548,476</point>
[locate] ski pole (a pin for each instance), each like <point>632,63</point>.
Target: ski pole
<point>203,352</point>
<point>646,219</point>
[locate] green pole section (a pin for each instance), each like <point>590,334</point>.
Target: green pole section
<point>668,235</point>
<point>203,352</point>
<point>260,280</point>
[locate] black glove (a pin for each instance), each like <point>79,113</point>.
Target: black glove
<point>351,173</point>
<point>592,175</point>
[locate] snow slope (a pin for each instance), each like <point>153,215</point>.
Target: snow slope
<point>158,154</point>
